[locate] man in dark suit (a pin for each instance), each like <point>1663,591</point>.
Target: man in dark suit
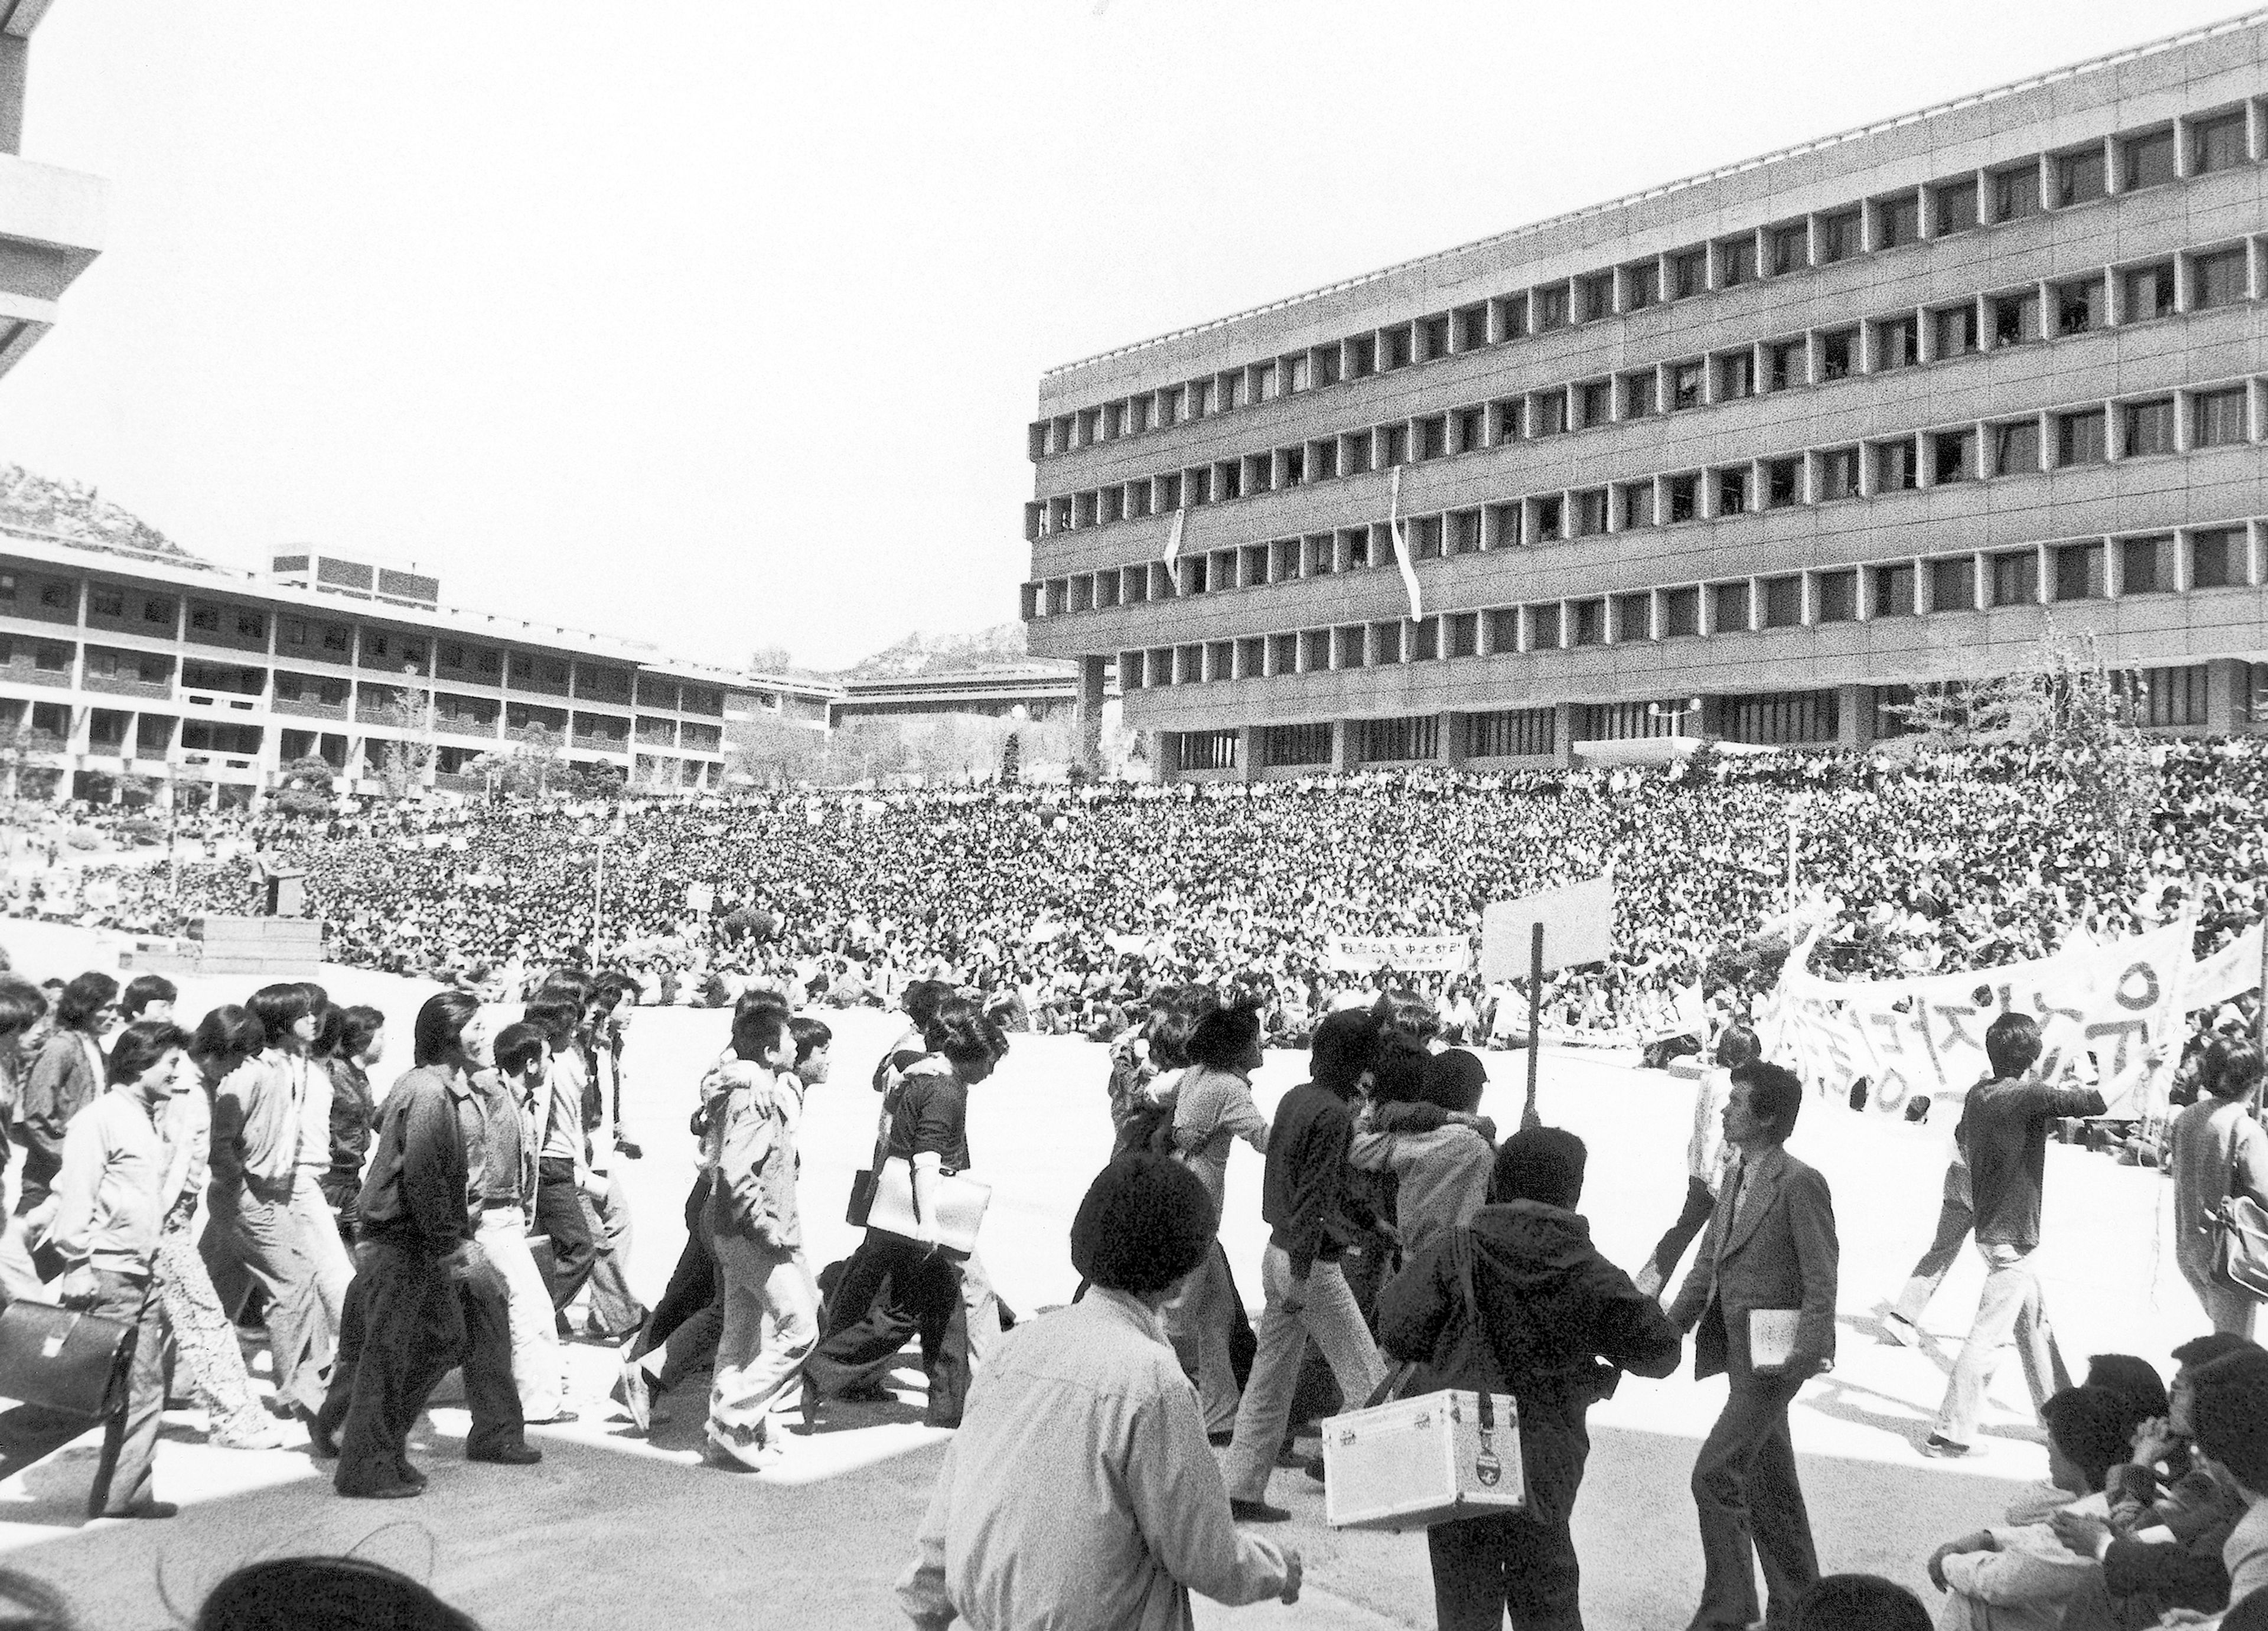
<point>1770,1249</point>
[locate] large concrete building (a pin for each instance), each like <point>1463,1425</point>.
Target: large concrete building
<point>51,225</point>
<point>1785,440</point>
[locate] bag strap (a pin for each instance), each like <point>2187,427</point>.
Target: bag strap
<point>1462,1248</point>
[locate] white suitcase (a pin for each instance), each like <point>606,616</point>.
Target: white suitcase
<point>1414,1462</point>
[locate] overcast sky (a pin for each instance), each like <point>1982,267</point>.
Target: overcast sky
<point>718,325</point>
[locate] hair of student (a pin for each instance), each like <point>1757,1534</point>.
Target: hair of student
<point>757,1030</point>
<point>317,998</point>
<point>556,1014</point>
<point>2199,1351</point>
<point>2089,1424</point>
<point>1455,1078</point>
<point>1407,1015</point>
<point>964,1033</point>
<point>2228,1414</point>
<point>1397,1069</point>
<point>1858,1603</point>
<point>1740,1046</point>
<point>83,998</point>
<point>1146,1222</point>
<point>1223,1037</point>
<point>1775,1093</point>
<point>613,986</point>
<point>1541,1164</point>
<point>565,981</point>
<point>519,1043</point>
<point>810,1035</point>
<point>922,998</point>
<point>441,1022</point>
<point>2135,1381</point>
<point>21,1004</point>
<point>326,1594</point>
<point>145,989</point>
<point>140,1046</point>
<point>228,1035</point>
<point>280,1007</point>
<point>2239,1073</point>
<point>359,1024</point>
<point>1179,1013</point>
<point>2012,1042</point>
<point>749,1002</point>
<point>1342,1049</point>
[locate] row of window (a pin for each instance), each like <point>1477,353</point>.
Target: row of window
<point>2129,162</point>
<point>2193,280</point>
<point>2091,568</point>
<point>2184,422</point>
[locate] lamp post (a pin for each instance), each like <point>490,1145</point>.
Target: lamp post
<point>1674,712</point>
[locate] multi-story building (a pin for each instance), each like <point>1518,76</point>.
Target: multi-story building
<point>50,220</point>
<point>120,667</point>
<point>1749,455</point>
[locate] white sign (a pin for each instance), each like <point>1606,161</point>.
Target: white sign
<point>1579,925</point>
<point>1414,954</point>
<point>701,897</point>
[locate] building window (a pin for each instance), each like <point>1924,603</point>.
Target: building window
<point>1433,437</point>
<point>1953,585</point>
<point>1684,493</point>
<point>1598,295</point>
<point>1638,394</point>
<point>1551,306</point>
<point>2016,319</point>
<point>1733,491</point>
<point>1895,466</point>
<point>158,610</point>
<point>2217,144</point>
<point>2217,418</point>
<point>1550,417</point>
<point>1952,456</point>
<point>1461,633</point>
<point>1472,333</point>
<point>106,602</point>
<point>1591,512</point>
<point>1838,353</point>
<point>1839,474</point>
<point>1956,208</point>
<point>2079,572</point>
<point>1503,628</point>
<point>2076,306</point>
<point>1433,334</point>
<point>1633,617</point>
<point>2016,447</point>
<point>1783,602</point>
<point>1295,745</point>
<point>2219,279</point>
<point>1597,397</point>
<point>1897,220</point>
<point>1838,236</point>
<point>1894,590</point>
<point>1472,430</point>
<point>2079,177</point>
<point>1684,385</point>
<point>1642,285</point>
<point>1728,608</point>
<point>205,617</point>
<point>1637,504</point>
<point>1781,718</point>
<point>2079,438</point>
<point>1782,483</point>
<point>2217,559</point>
<point>1680,612</point>
<point>1956,330</point>
<point>2017,578</point>
<point>337,639</point>
<point>2149,291</point>
<point>1791,249</point>
<point>2148,160</point>
<point>1736,375</point>
<point>1551,515</point>
<point>1736,261</point>
<point>1510,733</point>
<point>2145,565</point>
<point>2149,427</point>
<point>1897,343</point>
<point>1838,597</point>
<point>1784,366</point>
<point>2016,193</point>
<point>1689,273</point>
<point>2163,696</point>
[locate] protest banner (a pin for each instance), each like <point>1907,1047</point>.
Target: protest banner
<point>700,897</point>
<point>1416,954</point>
<point>1578,921</point>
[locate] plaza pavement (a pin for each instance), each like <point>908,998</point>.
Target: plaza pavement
<point>613,1531</point>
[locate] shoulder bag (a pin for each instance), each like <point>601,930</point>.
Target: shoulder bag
<point>2240,1259</point>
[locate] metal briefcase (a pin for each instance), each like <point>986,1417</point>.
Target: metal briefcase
<point>63,1359</point>
<point>1415,1462</point>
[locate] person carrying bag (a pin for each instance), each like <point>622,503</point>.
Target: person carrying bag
<point>1548,1320</point>
<point>2220,1161</point>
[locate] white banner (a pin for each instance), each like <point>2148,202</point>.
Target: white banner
<point>2233,969</point>
<point>1414,954</point>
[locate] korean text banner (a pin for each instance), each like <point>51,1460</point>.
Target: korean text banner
<point>1416,954</point>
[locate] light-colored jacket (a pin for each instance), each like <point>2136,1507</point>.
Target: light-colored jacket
<point>109,1195</point>
<point>1080,1491</point>
<point>2032,1576</point>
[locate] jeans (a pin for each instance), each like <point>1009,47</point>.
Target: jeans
<point>772,1323</point>
<point>327,1249</point>
<point>535,1370</point>
<point>2230,1310</point>
<point>1330,1316</point>
<point>1198,1318</point>
<point>1956,1215</point>
<point>559,1214</point>
<point>2010,1303</point>
<point>250,1241</point>
<point>1751,1508</point>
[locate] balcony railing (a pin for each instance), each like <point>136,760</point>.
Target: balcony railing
<point>601,743</point>
<point>115,685</point>
<point>32,674</point>
<point>45,742</point>
<point>308,708</point>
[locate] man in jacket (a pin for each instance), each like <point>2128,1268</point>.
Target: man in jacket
<point>1770,1249</point>
<point>2003,1135</point>
<point>1557,1322</point>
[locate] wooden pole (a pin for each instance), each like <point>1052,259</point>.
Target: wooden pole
<point>1791,861</point>
<point>2260,1016</point>
<point>1528,1116</point>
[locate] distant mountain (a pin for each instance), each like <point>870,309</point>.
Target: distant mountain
<point>945,654</point>
<point>80,514</point>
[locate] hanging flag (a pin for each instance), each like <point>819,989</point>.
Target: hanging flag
<point>1174,539</point>
<point>1402,540</point>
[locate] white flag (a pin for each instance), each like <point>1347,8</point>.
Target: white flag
<point>1402,541</point>
<point>1173,538</point>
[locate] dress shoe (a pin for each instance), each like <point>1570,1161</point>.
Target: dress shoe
<point>1256,1512</point>
<point>1223,1439</point>
<point>148,1509</point>
<point>320,1440</point>
<point>410,1475</point>
<point>628,1150</point>
<point>867,1394</point>
<point>521,1454</point>
<point>396,1491</point>
<point>1315,1468</point>
<point>556,1418</point>
<point>1943,1448</point>
<point>634,1393</point>
<point>1901,1330</point>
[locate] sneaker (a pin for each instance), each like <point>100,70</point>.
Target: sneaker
<point>1943,1448</point>
<point>253,1432</point>
<point>740,1449</point>
<point>1901,1330</point>
<point>635,1394</point>
<point>628,1150</point>
<point>1256,1512</point>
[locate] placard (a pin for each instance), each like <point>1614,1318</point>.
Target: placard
<point>1579,922</point>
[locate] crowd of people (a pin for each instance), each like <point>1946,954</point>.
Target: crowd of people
<point>1069,907</point>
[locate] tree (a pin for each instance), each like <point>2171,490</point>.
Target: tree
<point>1011,759</point>
<point>402,760</point>
<point>305,787</point>
<point>534,761</point>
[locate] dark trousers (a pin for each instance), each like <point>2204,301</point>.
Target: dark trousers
<point>1484,1567</point>
<point>559,1214</point>
<point>402,1328</point>
<point>29,1433</point>
<point>890,1290</point>
<point>692,1284</point>
<point>1699,1203</point>
<point>1746,1493</point>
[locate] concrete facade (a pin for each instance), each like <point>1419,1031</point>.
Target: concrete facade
<point>1783,439</point>
<point>51,220</point>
